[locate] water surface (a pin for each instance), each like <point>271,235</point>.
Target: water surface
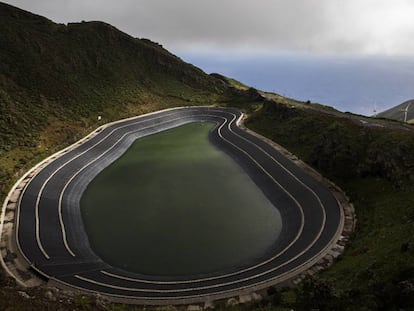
<point>174,204</point>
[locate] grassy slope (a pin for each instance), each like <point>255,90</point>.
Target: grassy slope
<point>375,166</point>
<point>55,80</point>
<point>397,112</point>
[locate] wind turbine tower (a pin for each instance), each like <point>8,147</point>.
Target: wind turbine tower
<point>406,112</point>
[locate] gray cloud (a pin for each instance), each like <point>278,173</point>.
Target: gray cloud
<point>324,26</point>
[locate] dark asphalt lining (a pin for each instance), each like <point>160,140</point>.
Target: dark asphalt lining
<point>63,266</point>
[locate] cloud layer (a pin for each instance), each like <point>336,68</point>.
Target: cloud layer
<point>322,26</point>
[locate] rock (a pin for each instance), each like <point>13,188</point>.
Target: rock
<point>101,302</point>
<point>232,302</point>
<point>15,196</point>
<point>10,257</point>
<point>335,254</point>
<point>11,206</point>
<point>208,305</point>
<point>49,295</point>
<point>256,297</point>
<point>245,298</point>
<point>24,294</point>
<point>329,258</point>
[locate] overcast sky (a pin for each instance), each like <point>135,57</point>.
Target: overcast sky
<point>384,27</point>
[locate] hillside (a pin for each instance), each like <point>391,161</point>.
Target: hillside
<point>373,162</point>
<point>398,112</point>
<point>56,79</point>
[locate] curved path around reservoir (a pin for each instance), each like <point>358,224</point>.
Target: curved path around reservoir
<point>51,236</point>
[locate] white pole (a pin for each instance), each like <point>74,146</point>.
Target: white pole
<point>406,112</point>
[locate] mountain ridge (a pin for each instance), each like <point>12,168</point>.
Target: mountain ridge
<point>55,80</point>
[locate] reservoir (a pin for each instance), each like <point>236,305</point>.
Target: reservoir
<point>176,205</point>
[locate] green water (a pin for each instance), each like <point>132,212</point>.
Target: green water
<point>174,204</point>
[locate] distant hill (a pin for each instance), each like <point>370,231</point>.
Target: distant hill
<point>397,112</point>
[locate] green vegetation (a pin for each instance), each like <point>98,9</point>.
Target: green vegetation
<point>55,80</point>
<point>232,82</point>
<point>177,181</point>
<point>375,166</point>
